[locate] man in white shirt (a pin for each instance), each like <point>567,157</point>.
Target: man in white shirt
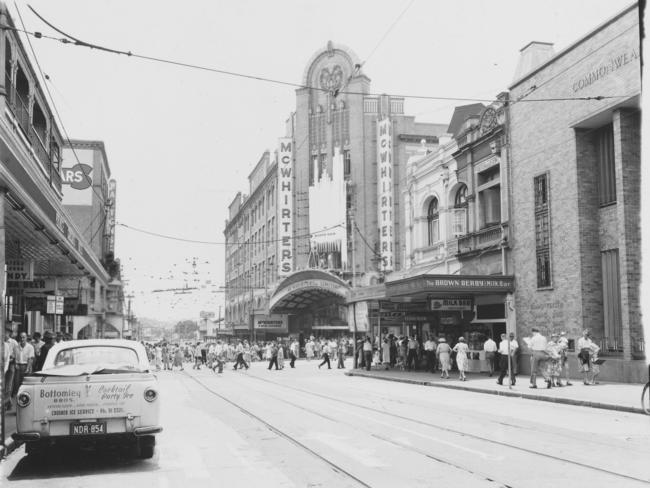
<point>537,345</point>
<point>430,351</point>
<point>504,346</point>
<point>25,357</point>
<point>490,348</point>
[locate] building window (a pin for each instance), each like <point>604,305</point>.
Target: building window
<point>8,80</point>
<point>347,163</point>
<point>312,169</point>
<point>433,222</point>
<point>39,123</point>
<point>542,231</point>
<point>606,165</point>
<point>612,301</point>
<point>489,198</point>
<point>21,99</point>
<point>459,223</point>
<point>322,162</point>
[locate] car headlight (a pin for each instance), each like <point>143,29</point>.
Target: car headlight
<point>23,399</point>
<point>150,394</point>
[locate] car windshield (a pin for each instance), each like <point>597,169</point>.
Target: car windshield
<point>97,359</point>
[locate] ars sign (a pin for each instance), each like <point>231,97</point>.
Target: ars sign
<point>78,177</point>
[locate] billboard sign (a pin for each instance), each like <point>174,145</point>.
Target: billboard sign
<point>77,174</point>
<point>20,270</point>
<point>385,218</point>
<point>285,206</point>
<point>277,323</point>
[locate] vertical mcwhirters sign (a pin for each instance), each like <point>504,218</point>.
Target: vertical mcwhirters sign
<point>285,207</point>
<point>385,192</point>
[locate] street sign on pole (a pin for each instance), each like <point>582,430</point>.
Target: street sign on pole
<point>59,303</point>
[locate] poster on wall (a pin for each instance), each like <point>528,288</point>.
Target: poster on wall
<point>358,317</point>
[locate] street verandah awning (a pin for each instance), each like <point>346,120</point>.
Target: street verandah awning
<point>37,225</point>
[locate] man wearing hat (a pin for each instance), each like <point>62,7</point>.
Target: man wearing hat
<point>45,348</point>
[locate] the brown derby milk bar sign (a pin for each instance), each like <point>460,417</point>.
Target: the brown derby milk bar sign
<point>449,284</point>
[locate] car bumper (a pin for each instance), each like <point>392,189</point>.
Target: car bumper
<point>36,436</point>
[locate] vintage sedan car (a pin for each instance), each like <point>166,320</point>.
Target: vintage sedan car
<point>90,392</point>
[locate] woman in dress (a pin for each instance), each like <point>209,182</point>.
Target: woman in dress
<point>443,352</point>
<point>385,353</point>
<point>309,350</point>
<point>178,358</point>
<point>461,349</point>
<point>553,363</point>
<point>280,355</point>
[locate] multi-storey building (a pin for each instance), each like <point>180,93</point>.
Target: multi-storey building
<point>89,198</point>
<point>457,278</point>
<point>575,138</point>
<point>338,212</point>
<point>40,243</point>
<point>252,250</point>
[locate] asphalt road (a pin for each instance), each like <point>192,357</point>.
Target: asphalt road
<point>309,427</point>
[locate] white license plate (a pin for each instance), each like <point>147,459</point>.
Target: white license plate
<point>88,428</point>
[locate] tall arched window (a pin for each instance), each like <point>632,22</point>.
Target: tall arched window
<point>459,224</point>
<point>433,222</point>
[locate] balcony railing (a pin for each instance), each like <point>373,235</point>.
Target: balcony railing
<point>484,238</point>
<point>39,148</point>
<point>17,105</point>
<point>22,113</point>
<point>430,253</point>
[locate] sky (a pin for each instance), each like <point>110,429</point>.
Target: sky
<point>181,142</point>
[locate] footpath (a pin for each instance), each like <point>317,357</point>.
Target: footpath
<point>10,427</point>
<point>623,397</point>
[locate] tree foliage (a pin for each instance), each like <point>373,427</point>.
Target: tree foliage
<point>186,329</point>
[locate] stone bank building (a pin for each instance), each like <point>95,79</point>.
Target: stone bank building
<point>576,170</point>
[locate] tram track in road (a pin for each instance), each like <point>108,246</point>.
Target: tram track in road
<point>334,466</point>
<point>457,432</point>
<point>441,460</point>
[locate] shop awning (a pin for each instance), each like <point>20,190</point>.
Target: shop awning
<point>423,286</point>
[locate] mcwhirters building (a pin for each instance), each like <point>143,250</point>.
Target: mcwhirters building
<point>335,214</point>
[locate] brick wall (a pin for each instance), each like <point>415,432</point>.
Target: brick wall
<point>551,136</point>
<point>591,276</point>
<point>627,147</point>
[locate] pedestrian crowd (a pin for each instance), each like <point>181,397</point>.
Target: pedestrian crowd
<point>548,357</point>
<point>24,355</point>
<point>216,354</point>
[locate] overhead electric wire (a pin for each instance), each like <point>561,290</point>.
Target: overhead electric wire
<point>220,243</point>
<point>387,32</point>
<point>71,40</point>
